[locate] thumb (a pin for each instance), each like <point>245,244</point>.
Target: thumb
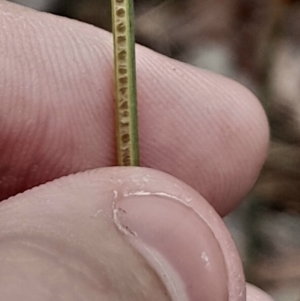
<point>116,234</point>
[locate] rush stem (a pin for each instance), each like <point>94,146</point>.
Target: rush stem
<point>125,82</point>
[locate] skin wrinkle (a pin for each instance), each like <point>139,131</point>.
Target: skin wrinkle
<point>186,129</point>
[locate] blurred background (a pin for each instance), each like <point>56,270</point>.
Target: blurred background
<point>256,42</point>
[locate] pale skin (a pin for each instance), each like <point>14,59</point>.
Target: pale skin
<point>67,239</point>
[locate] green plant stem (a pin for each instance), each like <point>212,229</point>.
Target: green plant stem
<point>125,82</point>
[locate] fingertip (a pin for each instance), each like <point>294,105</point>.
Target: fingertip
<point>256,294</point>
<point>212,131</point>
<point>248,141</point>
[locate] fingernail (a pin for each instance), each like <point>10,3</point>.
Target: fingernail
<point>177,243</point>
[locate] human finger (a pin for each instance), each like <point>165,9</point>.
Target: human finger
<point>116,234</point>
<point>57,112</point>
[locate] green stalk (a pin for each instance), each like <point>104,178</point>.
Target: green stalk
<point>125,82</point>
